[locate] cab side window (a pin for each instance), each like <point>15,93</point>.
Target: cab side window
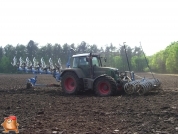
<point>82,61</point>
<point>75,62</point>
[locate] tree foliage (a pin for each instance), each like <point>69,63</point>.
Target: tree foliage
<point>165,61</point>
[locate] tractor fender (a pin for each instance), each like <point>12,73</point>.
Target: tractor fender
<point>77,71</point>
<point>98,77</point>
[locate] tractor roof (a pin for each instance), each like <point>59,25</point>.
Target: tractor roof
<point>85,54</point>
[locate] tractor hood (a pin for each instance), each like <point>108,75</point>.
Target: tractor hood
<point>105,70</point>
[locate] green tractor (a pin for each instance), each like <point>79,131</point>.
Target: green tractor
<point>88,73</point>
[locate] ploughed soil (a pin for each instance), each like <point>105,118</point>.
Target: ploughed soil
<point>47,110</point>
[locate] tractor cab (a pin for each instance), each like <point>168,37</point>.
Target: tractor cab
<point>87,62</point>
<point>84,60</point>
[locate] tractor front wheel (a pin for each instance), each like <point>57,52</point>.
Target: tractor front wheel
<point>70,83</point>
<point>105,86</point>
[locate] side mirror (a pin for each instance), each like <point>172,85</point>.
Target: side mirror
<point>87,59</point>
<point>105,59</point>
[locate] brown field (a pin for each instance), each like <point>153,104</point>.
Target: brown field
<point>48,110</point>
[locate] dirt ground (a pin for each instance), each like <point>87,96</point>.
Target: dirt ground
<point>48,110</point>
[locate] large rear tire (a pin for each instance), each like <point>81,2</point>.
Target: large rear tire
<point>105,86</point>
<point>71,84</point>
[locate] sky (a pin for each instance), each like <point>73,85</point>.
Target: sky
<point>154,23</point>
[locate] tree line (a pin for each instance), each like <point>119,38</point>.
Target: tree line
<point>116,56</point>
<point>165,61</point>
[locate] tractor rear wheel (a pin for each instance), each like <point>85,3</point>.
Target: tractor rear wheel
<point>105,86</point>
<point>71,84</point>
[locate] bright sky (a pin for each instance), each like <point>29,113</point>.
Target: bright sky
<point>154,23</point>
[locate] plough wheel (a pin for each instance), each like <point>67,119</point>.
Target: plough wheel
<point>29,85</point>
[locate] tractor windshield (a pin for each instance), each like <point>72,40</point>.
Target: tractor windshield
<point>95,62</point>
